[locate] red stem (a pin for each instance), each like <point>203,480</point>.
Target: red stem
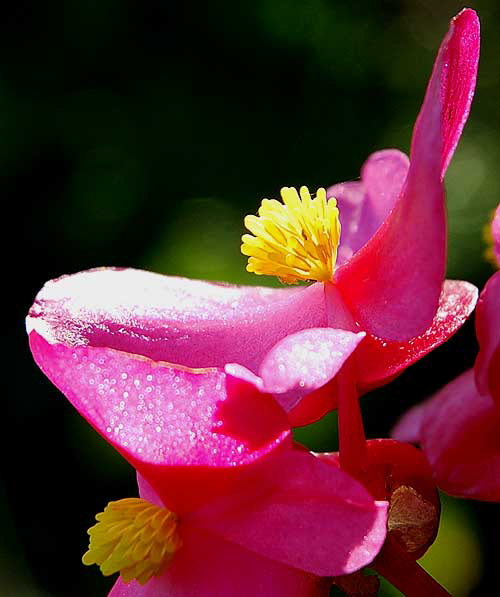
<point>352,439</point>
<point>401,570</point>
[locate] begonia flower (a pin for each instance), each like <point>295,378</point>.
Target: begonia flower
<point>399,473</point>
<point>386,281</point>
<point>384,276</point>
<point>228,504</point>
<point>459,428</point>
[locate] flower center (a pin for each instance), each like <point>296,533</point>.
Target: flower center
<point>133,537</point>
<point>294,240</point>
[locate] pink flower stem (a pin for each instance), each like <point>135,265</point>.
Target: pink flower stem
<point>352,439</point>
<point>401,570</point>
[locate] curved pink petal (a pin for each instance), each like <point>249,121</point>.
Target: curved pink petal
<point>384,174</point>
<point>379,360</point>
<point>392,285</point>
<point>350,197</point>
<point>167,421</point>
<point>409,427</point>
<point>459,433</point>
<point>487,367</point>
<point>209,566</point>
<point>304,362</point>
<point>495,232</point>
<point>458,79</point>
<point>316,518</point>
<point>364,205</point>
<point>190,322</point>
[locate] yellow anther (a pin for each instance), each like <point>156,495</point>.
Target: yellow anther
<point>294,240</point>
<point>133,537</point>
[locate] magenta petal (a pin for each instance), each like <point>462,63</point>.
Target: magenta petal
<point>384,174</point>
<point>458,80</point>
<point>163,418</point>
<point>317,518</point>
<point>379,360</point>
<point>189,322</point>
<point>350,197</point>
<point>305,361</point>
<point>151,411</point>
<point>209,566</point>
<point>392,285</point>
<point>364,205</point>
<point>495,232</point>
<point>458,432</point>
<point>487,367</point>
<point>409,428</point>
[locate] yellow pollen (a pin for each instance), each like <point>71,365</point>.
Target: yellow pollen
<point>133,537</point>
<point>294,240</point>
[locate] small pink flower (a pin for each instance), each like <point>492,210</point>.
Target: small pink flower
<point>244,511</point>
<point>459,428</point>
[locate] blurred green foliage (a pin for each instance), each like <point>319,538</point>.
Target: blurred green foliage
<point>140,134</point>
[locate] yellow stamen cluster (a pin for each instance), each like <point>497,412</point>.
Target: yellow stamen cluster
<point>133,537</point>
<point>294,240</point>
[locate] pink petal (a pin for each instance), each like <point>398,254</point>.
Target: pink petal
<point>459,434</point>
<point>209,566</point>
<point>409,427</point>
<point>495,232</point>
<point>364,205</point>
<point>167,421</point>
<point>487,366</point>
<point>315,405</point>
<point>392,284</point>
<point>350,197</point>
<point>379,360</point>
<point>317,518</point>
<point>193,323</point>
<point>458,79</point>
<point>305,361</point>
<point>299,369</point>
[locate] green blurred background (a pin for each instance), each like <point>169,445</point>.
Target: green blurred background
<point>140,134</point>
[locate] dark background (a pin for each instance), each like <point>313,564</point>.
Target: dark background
<point>140,134</point>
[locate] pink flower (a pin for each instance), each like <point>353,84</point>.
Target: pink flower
<point>230,506</point>
<point>459,428</point>
<point>388,284</point>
